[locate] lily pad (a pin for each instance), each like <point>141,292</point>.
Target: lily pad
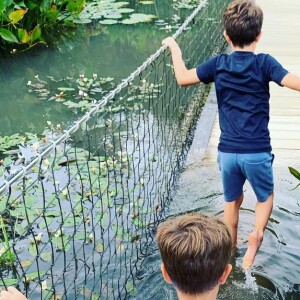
<point>113,16</point>
<point>108,22</point>
<point>97,15</point>
<point>99,247</point>
<point>33,276</point>
<point>46,256</point>
<point>26,263</point>
<point>146,2</point>
<point>8,282</point>
<point>66,89</point>
<point>138,18</point>
<point>82,21</point>
<point>120,4</point>
<point>125,10</point>
<point>62,243</point>
<point>129,21</point>
<point>33,249</point>
<point>21,228</point>
<point>2,206</point>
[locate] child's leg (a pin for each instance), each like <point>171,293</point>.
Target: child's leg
<point>258,170</point>
<point>262,214</point>
<point>233,180</point>
<point>231,216</point>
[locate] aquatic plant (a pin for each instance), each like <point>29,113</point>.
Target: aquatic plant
<point>296,174</point>
<point>7,256</point>
<point>185,4</point>
<point>24,24</point>
<point>110,12</point>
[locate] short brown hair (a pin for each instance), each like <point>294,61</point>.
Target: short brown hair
<point>195,249</point>
<point>243,21</point>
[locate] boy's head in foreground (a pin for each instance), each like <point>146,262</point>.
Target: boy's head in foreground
<point>242,22</point>
<point>195,251</point>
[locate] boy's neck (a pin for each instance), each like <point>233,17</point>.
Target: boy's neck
<point>210,295</point>
<point>248,48</point>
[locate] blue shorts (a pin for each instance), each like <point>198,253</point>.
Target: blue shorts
<point>255,167</point>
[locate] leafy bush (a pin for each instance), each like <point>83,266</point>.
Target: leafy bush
<point>23,23</point>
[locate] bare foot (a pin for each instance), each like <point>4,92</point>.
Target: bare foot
<point>254,241</point>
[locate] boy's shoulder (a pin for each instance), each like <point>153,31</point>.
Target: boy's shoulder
<point>260,58</point>
<point>242,53</point>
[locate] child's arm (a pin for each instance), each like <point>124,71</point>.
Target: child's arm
<point>291,81</point>
<point>183,75</point>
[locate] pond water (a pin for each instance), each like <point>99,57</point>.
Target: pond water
<point>108,51</point>
<point>275,273</point>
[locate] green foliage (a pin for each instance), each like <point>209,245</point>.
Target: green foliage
<point>26,23</point>
<point>296,174</point>
<point>7,256</point>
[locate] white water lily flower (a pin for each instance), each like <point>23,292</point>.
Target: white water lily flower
<point>44,285</point>
<point>38,238</point>
<point>58,233</point>
<point>35,147</point>
<point>46,162</point>
<point>29,82</point>
<point>91,237</point>
<point>94,75</point>
<point>81,76</point>
<point>81,93</point>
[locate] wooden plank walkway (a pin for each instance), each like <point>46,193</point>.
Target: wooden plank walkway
<point>281,31</point>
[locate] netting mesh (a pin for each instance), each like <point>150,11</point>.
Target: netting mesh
<point>78,223</point>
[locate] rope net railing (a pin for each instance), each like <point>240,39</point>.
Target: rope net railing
<point>78,217</point>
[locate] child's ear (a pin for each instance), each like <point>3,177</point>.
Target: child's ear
<point>258,37</point>
<point>165,274</point>
<point>226,37</point>
<point>225,274</point>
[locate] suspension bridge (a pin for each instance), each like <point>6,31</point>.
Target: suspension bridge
<point>77,218</point>
<point>80,211</point>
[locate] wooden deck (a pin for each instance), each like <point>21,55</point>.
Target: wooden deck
<point>281,31</point>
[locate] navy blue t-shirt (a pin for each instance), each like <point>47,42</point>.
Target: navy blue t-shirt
<point>242,86</point>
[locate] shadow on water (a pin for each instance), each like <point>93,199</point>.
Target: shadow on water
<point>276,271</point>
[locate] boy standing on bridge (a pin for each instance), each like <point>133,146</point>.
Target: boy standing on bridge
<point>242,87</point>
<point>195,251</point>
